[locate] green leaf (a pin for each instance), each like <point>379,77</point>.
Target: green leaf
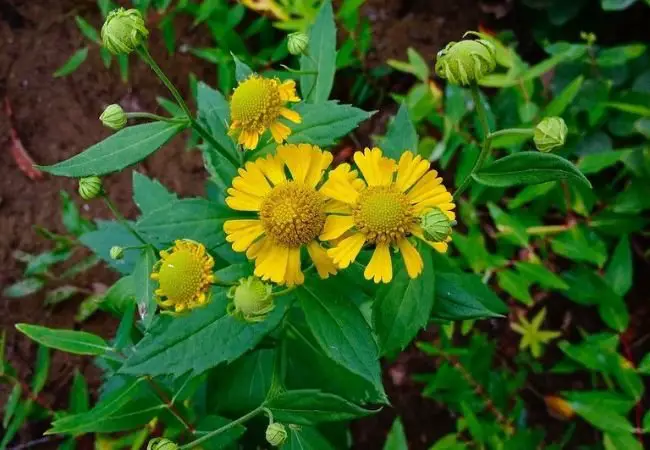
<point>580,244</point>
<point>72,63</point>
<point>129,407</point>
<point>403,307</point>
<point>306,438</point>
<point>23,288</point>
<point>616,5</point>
<point>197,219</point>
<point>11,405</point>
<point>396,439</point>
<point>620,269</point>
<point>87,30</point>
<point>242,71</point>
<point>108,234</point>
<point>616,56</point>
<point>540,274</point>
<point>79,397</point>
<point>561,102</point>
<point>19,418</point>
<point>339,328</point>
<point>71,217</point>
<point>530,193</point>
<point>77,342</point>
<point>602,409</point>
<point>316,88</point>
<point>222,440</point>
<point>462,296</point>
<point>120,150</point>
<point>594,163</point>
<point>198,341</point>
<point>41,370</point>
<point>41,263</point>
<point>516,285</point>
<point>144,285</point>
<point>310,407</point>
<point>621,441</point>
<point>644,365</point>
<point>529,168</point>
<point>149,195</point>
<point>401,135</point>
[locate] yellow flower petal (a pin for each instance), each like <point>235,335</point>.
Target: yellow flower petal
<point>249,139</point>
<point>240,201</point>
<point>412,259</point>
<point>440,247</point>
<point>288,91</point>
<point>320,161</point>
<point>380,267</point>
<point>291,115</point>
<point>429,183</point>
<point>337,207</point>
<point>335,226</point>
<point>347,250</point>
<point>324,264</point>
<point>435,200</point>
<point>376,169</point>
<point>339,186</point>
<point>260,248</point>
<point>280,132</point>
<point>273,265</point>
<point>410,169</point>
<point>273,168</point>
<point>293,275</point>
<point>242,233</point>
<point>297,158</point>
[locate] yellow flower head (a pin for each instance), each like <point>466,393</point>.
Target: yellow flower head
<point>383,210</point>
<point>290,213</point>
<point>184,275</point>
<point>257,105</point>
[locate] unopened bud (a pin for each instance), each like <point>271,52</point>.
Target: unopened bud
<point>550,133</point>
<point>90,187</point>
<point>276,434</point>
<point>436,226</point>
<point>297,43</point>
<point>559,408</point>
<point>251,299</point>
<point>113,117</point>
<point>162,444</point>
<point>117,252</point>
<point>123,31</point>
<point>467,61</point>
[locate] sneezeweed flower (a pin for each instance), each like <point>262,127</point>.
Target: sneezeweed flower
<point>466,62</point>
<point>258,104</point>
<point>184,275</point>
<point>123,31</point>
<point>550,134</point>
<point>251,300</point>
<point>276,434</point>
<point>297,43</point>
<point>383,210</point>
<point>162,444</point>
<point>90,187</point>
<point>113,117</point>
<point>290,213</point>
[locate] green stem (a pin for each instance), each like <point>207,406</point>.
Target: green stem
<point>487,140</point>
<point>299,72</point>
<point>226,427</point>
<point>120,218</point>
<point>528,132</point>
<point>147,115</point>
<point>283,291</point>
<point>146,57</point>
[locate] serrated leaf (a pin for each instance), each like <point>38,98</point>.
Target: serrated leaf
<point>316,88</point>
<point>77,342</point>
<point>72,63</point>
<point>149,195</point>
<point>310,407</point>
<point>401,135</point>
<point>122,149</point>
<point>529,168</point>
<point>464,296</point>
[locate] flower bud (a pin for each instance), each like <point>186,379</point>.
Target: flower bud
<point>550,133</point>
<point>252,300</point>
<point>116,252</point>
<point>162,444</point>
<point>113,117</point>
<point>466,62</point>
<point>297,43</point>
<point>123,31</point>
<point>558,407</point>
<point>90,187</point>
<point>436,226</point>
<point>276,434</point>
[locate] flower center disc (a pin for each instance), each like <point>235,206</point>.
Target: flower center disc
<point>180,276</point>
<point>293,214</point>
<point>256,101</point>
<point>383,214</point>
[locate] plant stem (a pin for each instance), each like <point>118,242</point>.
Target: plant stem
<point>487,140</point>
<point>120,218</point>
<point>226,427</point>
<point>299,72</point>
<point>528,132</point>
<point>146,56</point>
<point>170,405</point>
<point>147,115</point>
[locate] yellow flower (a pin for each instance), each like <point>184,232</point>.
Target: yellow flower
<point>383,210</point>
<point>184,275</point>
<point>290,211</point>
<point>257,105</point>
<point>267,5</point>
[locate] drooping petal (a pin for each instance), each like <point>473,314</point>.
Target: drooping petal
<point>324,264</point>
<point>347,250</point>
<point>291,115</point>
<point>293,274</point>
<point>339,186</point>
<point>320,161</point>
<point>273,168</point>
<point>274,265</point>
<point>380,267</point>
<point>375,168</point>
<point>440,247</point>
<point>297,158</point>
<point>335,226</point>
<point>409,170</point>
<point>288,91</point>
<point>242,233</point>
<point>280,132</point>
<point>249,139</point>
<point>412,259</point>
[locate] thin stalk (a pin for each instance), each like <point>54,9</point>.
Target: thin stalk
<point>224,428</point>
<point>147,115</point>
<point>120,218</point>
<point>299,72</point>
<point>487,140</point>
<point>528,132</point>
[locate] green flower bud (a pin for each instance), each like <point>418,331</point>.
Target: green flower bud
<point>116,252</point>
<point>123,31</point>
<point>113,117</point>
<point>466,62</point>
<point>276,434</point>
<point>252,300</point>
<point>90,187</point>
<point>550,133</point>
<point>162,444</point>
<point>436,226</point>
<point>297,43</point>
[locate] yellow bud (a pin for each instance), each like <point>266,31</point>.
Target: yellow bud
<point>550,133</point>
<point>90,187</point>
<point>276,434</point>
<point>123,31</point>
<point>252,300</point>
<point>113,117</point>
<point>162,444</point>
<point>297,43</point>
<point>436,226</point>
<point>466,62</point>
